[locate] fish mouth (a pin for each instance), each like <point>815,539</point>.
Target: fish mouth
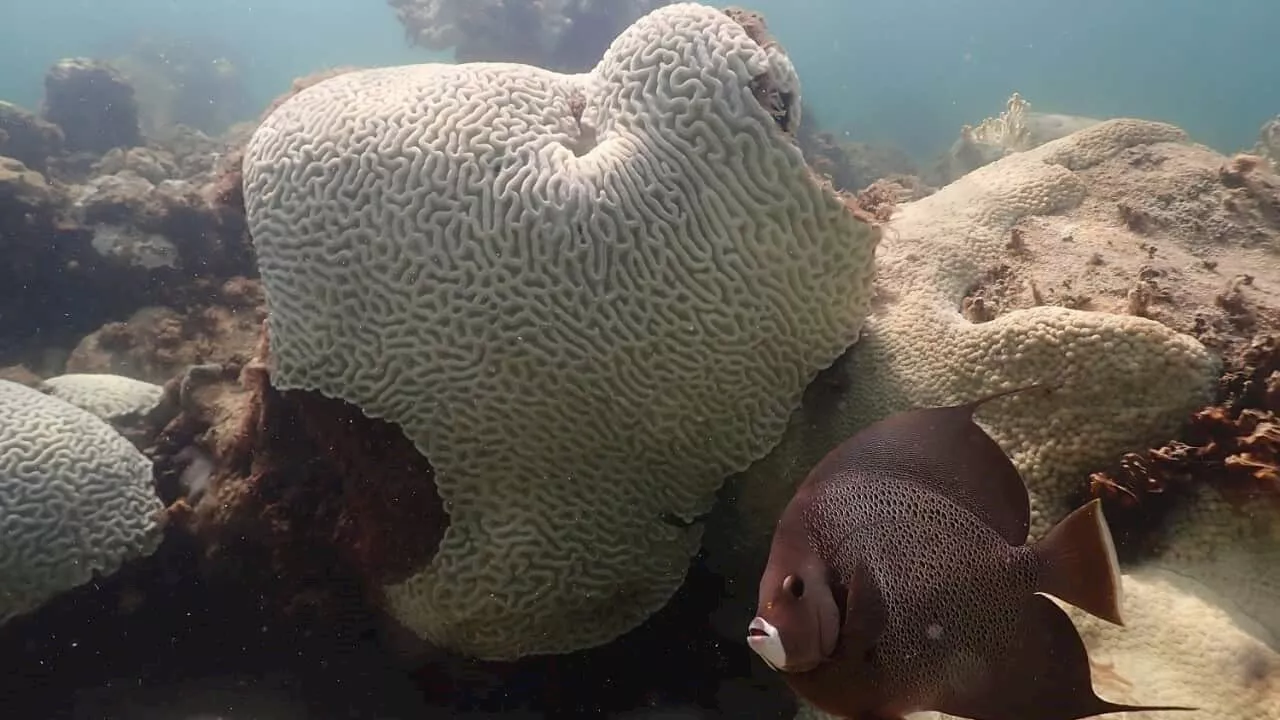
<point>763,638</point>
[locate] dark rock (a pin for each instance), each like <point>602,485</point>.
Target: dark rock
<point>25,137</point>
<point>93,104</point>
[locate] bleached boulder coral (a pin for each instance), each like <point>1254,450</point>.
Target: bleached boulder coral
<point>587,299</point>
<point>109,397</point>
<point>1234,551</point>
<point>76,499</point>
<point>1176,648</point>
<point>1117,382</point>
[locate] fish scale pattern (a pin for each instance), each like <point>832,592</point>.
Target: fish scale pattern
<point>586,298</point>
<point>76,499</point>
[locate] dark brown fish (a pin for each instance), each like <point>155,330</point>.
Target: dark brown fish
<point>900,581</point>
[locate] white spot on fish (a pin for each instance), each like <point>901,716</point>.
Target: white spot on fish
<point>934,631</point>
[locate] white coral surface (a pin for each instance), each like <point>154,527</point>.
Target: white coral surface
<point>586,298</point>
<point>76,499</point>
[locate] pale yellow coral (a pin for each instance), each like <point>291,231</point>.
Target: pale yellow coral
<point>1177,648</point>
<point>1232,549</point>
<point>1009,130</point>
<point>1119,383</point>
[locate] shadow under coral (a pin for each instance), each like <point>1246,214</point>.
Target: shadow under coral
<point>287,513</point>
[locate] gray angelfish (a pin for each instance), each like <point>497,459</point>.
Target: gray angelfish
<point>900,580</point>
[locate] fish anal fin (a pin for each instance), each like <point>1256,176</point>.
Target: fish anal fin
<point>1044,674</point>
<point>1078,564</point>
<point>945,452</point>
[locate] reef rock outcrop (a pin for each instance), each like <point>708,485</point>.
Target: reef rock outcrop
<point>93,104</point>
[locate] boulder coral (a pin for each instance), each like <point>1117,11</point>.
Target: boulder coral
<point>586,299</point>
<point>1115,382</point>
<point>76,499</point>
<point>1206,505</point>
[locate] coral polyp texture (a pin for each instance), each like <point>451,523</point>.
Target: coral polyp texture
<point>587,299</point>
<point>1113,382</point>
<point>76,499</point>
<point>104,395</point>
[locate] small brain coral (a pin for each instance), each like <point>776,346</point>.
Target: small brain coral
<point>585,298</point>
<point>76,499</point>
<point>107,396</point>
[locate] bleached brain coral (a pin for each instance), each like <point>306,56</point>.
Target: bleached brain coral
<point>106,396</point>
<point>586,298</point>
<point>76,499</point>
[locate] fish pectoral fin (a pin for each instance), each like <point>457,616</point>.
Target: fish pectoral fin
<point>1044,674</point>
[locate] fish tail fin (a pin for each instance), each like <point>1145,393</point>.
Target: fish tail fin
<point>1078,564</point>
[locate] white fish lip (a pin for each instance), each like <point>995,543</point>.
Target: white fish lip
<point>764,639</point>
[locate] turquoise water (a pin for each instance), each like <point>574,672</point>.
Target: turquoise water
<point>907,72</point>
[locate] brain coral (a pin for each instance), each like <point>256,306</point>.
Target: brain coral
<point>586,298</point>
<point>107,396</point>
<point>1119,382</point>
<point>76,499</point>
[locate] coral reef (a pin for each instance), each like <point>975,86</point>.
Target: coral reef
<point>926,343</point>
<point>560,35</point>
<point>611,274</point>
<point>93,104</point>
<point>88,238</point>
<point>158,343</point>
<point>1144,225</point>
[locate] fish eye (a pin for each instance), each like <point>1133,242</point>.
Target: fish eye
<point>793,585</point>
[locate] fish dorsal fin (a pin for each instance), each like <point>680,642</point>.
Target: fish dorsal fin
<point>1043,673</point>
<point>944,451</point>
